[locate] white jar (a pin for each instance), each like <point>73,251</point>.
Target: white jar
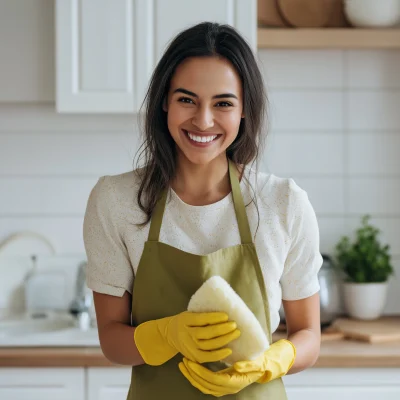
<point>372,13</point>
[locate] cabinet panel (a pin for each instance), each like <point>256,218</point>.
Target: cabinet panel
<point>95,55</point>
<point>106,50</point>
<point>42,383</point>
<point>343,393</point>
<point>104,35</point>
<point>108,383</point>
<point>344,384</point>
<point>168,21</point>
<point>27,51</point>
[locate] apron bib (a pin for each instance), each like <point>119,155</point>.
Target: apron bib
<point>165,281</point>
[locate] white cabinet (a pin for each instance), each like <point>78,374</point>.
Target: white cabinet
<point>26,49</point>
<point>312,384</point>
<point>42,383</point>
<point>172,16</point>
<point>108,383</point>
<point>344,384</point>
<point>101,54</point>
<point>106,49</point>
<point>113,383</point>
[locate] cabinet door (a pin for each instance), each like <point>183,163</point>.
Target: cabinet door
<point>42,383</point>
<point>108,383</point>
<point>101,48</point>
<point>26,48</point>
<point>344,384</point>
<point>344,393</point>
<point>106,50</point>
<point>172,16</point>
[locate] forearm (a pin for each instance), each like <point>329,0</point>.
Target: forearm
<point>118,344</point>
<point>307,343</point>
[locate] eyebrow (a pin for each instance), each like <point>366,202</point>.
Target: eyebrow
<point>217,96</point>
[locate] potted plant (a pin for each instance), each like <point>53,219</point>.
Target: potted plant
<point>367,267</point>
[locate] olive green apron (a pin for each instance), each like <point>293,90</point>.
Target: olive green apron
<point>165,281</point>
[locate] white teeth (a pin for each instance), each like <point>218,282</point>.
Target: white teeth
<point>202,139</point>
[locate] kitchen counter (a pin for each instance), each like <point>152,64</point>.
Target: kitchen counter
<point>334,354</point>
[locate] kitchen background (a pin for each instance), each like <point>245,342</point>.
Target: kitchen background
<point>334,127</point>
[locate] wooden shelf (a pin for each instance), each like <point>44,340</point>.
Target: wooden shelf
<point>328,38</point>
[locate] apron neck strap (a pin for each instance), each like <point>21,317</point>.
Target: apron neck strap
<point>157,216</point>
<point>240,210</point>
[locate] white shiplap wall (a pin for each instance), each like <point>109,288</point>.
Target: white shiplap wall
<point>335,128</point>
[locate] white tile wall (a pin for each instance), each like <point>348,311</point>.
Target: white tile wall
<point>301,151</point>
<point>379,196</point>
<point>50,196</point>
<point>373,69</point>
<point>306,109</point>
<point>374,110</point>
<point>335,128</point>
<point>311,69</point>
<point>381,147</point>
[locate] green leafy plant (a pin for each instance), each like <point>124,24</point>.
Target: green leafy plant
<point>364,260</point>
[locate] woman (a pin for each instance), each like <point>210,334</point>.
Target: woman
<point>197,209</point>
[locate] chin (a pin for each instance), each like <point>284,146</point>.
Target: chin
<point>200,159</point>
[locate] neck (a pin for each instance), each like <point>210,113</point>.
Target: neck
<point>202,184</point>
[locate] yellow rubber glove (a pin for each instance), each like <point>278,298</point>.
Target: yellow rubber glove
<point>273,363</point>
<point>217,384</point>
<point>201,337</point>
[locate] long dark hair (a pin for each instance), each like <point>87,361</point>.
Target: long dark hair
<point>158,149</point>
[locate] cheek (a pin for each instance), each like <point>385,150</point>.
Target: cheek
<point>176,116</point>
<point>231,122</point>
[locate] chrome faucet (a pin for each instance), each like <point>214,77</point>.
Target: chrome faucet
<point>82,302</point>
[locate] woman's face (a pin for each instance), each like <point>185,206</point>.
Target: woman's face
<point>204,107</point>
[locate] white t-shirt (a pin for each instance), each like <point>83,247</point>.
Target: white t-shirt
<point>287,239</point>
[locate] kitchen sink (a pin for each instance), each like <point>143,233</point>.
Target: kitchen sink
<point>45,330</point>
<point>28,327</point>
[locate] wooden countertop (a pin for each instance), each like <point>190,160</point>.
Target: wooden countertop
<point>334,354</point>
<point>350,353</point>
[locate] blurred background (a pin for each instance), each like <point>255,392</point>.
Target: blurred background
<point>73,75</point>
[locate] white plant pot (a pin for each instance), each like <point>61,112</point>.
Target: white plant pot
<point>365,300</point>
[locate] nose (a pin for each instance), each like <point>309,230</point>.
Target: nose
<point>203,119</point>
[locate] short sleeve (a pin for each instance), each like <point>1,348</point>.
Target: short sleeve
<point>109,269</point>
<point>303,262</point>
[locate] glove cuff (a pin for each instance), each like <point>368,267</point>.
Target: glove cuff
<point>291,353</point>
<point>151,342</point>
<point>280,358</point>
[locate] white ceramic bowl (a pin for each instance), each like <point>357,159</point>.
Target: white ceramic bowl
<point>372,13</point>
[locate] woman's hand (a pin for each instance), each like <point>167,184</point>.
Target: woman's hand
<point>273,363</point>
<point>200,337</point>
<point>217,384</point>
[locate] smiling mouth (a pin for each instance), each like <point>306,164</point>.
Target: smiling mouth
<point>201,139</point>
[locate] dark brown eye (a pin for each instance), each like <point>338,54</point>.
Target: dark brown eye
<point>224,104</point>
<point>185,100</point>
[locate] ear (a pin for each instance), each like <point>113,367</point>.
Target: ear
<point>164,104</point>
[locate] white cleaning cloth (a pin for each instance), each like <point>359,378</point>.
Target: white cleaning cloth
<point>217,295</point>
